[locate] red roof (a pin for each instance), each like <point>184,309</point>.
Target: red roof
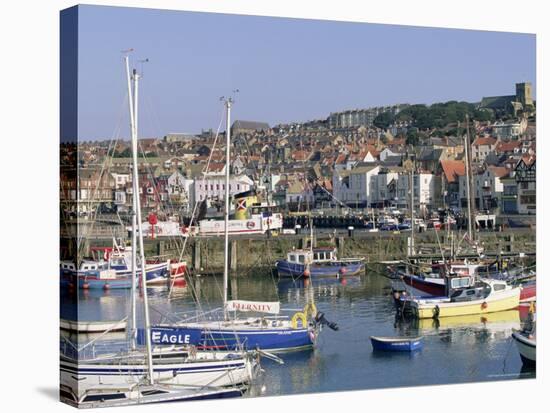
<point>484,141</point>
<point>341,158</point>
<point>503,147</point>
<point>453,169</point>
<point>499,171</point>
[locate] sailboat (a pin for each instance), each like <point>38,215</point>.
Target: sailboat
<point>267,329</point>
<point>158,374</point>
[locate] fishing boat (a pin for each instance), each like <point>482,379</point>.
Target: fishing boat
<point>528,292</point>
<point>396,343</point>
<point>111,273</point>
<point>318,262</point>
<point>158,374</point>
<point>526,342</point>
<point>82,326</point>
<point>266,328</point>
<point>434,282</point>
<point>466,296</point>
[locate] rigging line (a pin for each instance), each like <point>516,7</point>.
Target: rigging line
<point>112,144</point>
<point>203,180</point>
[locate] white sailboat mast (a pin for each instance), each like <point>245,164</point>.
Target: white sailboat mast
<point>467,167</point>
<point>134,123</point>
<point>228,103</point>
<point>133,317</point>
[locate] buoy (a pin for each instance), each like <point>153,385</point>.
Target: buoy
<point>307,273</point>
<point>85,286</point>
<point>343,271</point>
<point>106,286</point>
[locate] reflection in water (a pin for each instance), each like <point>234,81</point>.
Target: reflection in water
<point>456,349</point>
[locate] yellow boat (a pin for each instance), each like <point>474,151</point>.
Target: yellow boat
<point>487,296</point>
<point>509,319</point>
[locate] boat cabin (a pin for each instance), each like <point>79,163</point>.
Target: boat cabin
<point>67,266</point>
<point>300,257</point>
<point>324,254</point>
<point>93,265</point>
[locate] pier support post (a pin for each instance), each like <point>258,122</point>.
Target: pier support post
<point>340,246</point>
<point>233,256</point>
<point>160,247</point>
<point>197,255</point>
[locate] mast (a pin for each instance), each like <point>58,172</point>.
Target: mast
<point>468,172</point>
<point>227,103</point>
<point>134,122</point>
<point>134,191</point>
<point>412,210</point>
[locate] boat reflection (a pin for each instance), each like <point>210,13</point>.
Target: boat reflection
<point>486,327</point>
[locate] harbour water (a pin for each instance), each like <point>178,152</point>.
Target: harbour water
<point>456,349</point>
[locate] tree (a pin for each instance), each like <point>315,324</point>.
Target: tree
<point>383,120</point>
<point>412,136</point>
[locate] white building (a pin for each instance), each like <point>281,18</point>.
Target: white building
<point>353,186</point>
<point>487,188</point>
<point>426,190</point>
<point>509,130</point>
<point>212,187</point>
<point>181,189</point>
<point>383,187</point>
<point>121,179</point>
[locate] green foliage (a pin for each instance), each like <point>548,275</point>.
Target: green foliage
<point>440,115</point>
<point>126,153</point>
<point>413,136</point>
<point>383,120</point>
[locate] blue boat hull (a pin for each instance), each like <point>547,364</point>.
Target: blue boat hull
<point>275,340</point>
<point>123,279</point>
<point>330,269</point>
<point>396,345</point>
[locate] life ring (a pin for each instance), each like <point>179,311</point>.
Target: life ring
<point>294,320</point>
<point>310,310</point>
<point>483,305</point>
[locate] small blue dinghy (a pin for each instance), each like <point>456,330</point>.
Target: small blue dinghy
<point>396,343</point>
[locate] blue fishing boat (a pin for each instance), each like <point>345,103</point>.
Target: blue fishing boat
<point>396,343</point>
<point>112,274</point>
<point>318,262</point>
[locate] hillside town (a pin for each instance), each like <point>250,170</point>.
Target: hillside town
<point>352,160</point>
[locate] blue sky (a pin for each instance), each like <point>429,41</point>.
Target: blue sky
<point>286,69</point>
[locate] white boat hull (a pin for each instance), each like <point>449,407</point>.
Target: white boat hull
<point>220,372</point>
<point>527,348</point>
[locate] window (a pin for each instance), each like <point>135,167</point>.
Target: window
<point>301,259</point>
<point>499,287</point>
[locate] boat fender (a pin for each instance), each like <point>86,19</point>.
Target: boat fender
<point>295,317</point>
<point>436,312</point>
<point>310,310</point>
<point>483,305</point>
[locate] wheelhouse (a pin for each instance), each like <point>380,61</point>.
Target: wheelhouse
<point>324,254</point>
<point>300,257</point>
